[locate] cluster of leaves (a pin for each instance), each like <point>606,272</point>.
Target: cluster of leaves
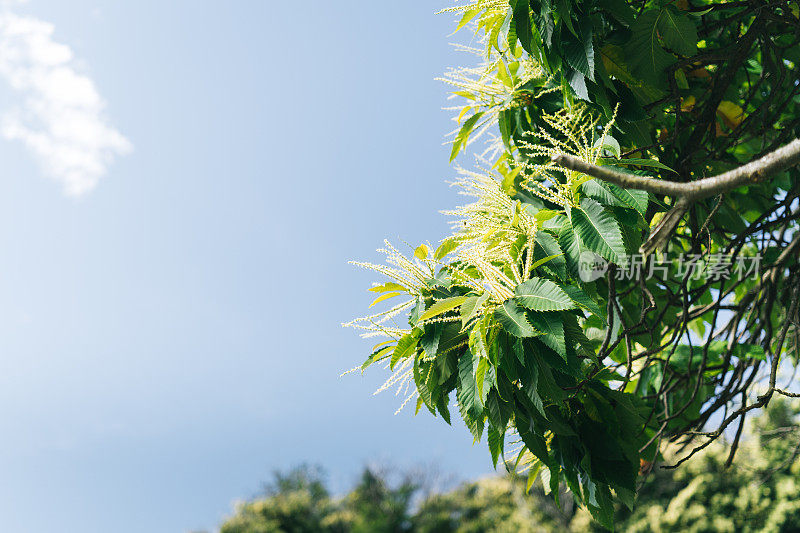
<point>580,380</point>
<point>758,496</point>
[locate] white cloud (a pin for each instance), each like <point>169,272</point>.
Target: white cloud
<point>61,118</point>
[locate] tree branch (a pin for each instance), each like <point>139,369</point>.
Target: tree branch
<point>754,172</point>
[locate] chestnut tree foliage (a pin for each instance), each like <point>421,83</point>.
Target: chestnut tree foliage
<point>657,139</point>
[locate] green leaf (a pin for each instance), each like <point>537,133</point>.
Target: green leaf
<point>646,55</point>
<point>512,317</point>
<point>620,10</point>
<point>522,23</point>
<point>447,246</point>
<point>469,403</point>
<point>677,31</point>
<point>613,58</point>
<point>463,135</point>
<point>578,52</point>
<point>598,230</point>
<point>547,247</point>
<point>577,80</point>
<point>539,294</point>
<point>583,300</point>
<point>632,198</point>
<point>609,143</point>
<point>599,191</point>
<point>471,306</point>
<point>430,339</point>
<point>385,296</point>
<point>553,328</point>
<point>421,252</point>
<point>468,16</point>
<point>545,260</point>
<point>376,356</point>
<point>388,287</point>
<point>442,306</point>
<point>495,440</point>
<point>480,377</point>
<point>406,347</point>
<point>570,243</point>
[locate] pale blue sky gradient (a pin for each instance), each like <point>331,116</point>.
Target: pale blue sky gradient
<point>169,339</point>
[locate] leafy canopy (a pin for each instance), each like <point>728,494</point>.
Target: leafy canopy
<point>576,378</point>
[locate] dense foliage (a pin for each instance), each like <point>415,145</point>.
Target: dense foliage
<point>578,358</point>
<point>755,495</point>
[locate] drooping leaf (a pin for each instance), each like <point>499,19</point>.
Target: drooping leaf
<point>495,439</point>
<point>577,80</point>
<point>469,403</point>
<point>522,23</point>
<point>578,50</point>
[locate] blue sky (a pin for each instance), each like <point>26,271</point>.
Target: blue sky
<point>170,326</point>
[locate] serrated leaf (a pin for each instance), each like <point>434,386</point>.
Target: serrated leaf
<point>646,56</point>
<point>632,198</point>
<point>583,300</point>
<point>406,347</point>
<point>463,135</point>
<point>539,294</point>
<point>471,306</point>
<point>545,260</point>
<point>620,10</point>
<point>553,328</point>
<point>599,191</point>
<point>512,318</point>
<point>467,17</point>
<point>546,246</point>
<point>577,80</point>
<point>495,439</point>
<point>480,375</point>
<point>467,396</point>
<point>376,356</point>
<point>570,243</point>
<point>598,230</point>
<point>442,306</point>
<point>578,51</point>
<point>388,287</point>
<point>430,339</point>
<point>677,31</point>
<point>522,23</point>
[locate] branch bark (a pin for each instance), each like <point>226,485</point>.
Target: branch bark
<point>754,172</point>
<point>751,173</point>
